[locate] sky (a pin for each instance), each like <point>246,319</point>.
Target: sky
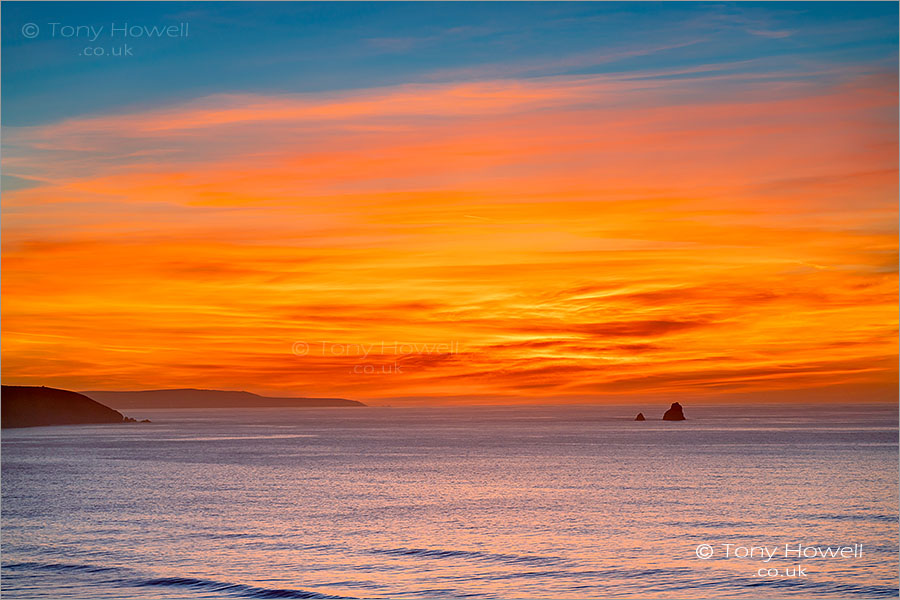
<point>452,202</point>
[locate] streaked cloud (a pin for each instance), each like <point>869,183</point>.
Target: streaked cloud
<point>705,229</point>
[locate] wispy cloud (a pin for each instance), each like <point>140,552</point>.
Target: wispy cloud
<point>573,235</point>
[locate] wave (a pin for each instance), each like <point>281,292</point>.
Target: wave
<point>653,580</point>
<point>532,559</point>
<point>855,517</point>
<point>831,587</point>
<point>236,589</point>
<point>129,578</point>
<point>60,567</point>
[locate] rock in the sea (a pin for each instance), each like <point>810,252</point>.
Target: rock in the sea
<point>24,406</point>
<point>675,413</point>
<point>640,417</point>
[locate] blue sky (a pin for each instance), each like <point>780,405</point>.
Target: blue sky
<point>274,47</point>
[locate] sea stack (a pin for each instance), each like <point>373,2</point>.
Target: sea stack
<point>675,413</point>
<point>640,417</point>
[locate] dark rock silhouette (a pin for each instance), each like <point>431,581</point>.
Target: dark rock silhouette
<point>675,413</point>
<point>24,406</point>
<point>640,417</point>
<point>193,398</point>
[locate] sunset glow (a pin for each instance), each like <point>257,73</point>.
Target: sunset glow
<point>522,234</point>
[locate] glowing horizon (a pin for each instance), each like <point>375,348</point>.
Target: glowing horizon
<point>684,230</point>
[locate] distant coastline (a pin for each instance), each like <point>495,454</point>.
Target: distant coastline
<point>197,398</point>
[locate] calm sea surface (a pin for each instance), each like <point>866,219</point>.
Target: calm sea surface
<point>575,502</point>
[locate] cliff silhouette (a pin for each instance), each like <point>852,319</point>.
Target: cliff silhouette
<point>25,406</point>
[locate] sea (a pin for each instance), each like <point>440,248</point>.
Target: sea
<point>761,501</point>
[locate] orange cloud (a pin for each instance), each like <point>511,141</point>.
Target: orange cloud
<point>567,238</point>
